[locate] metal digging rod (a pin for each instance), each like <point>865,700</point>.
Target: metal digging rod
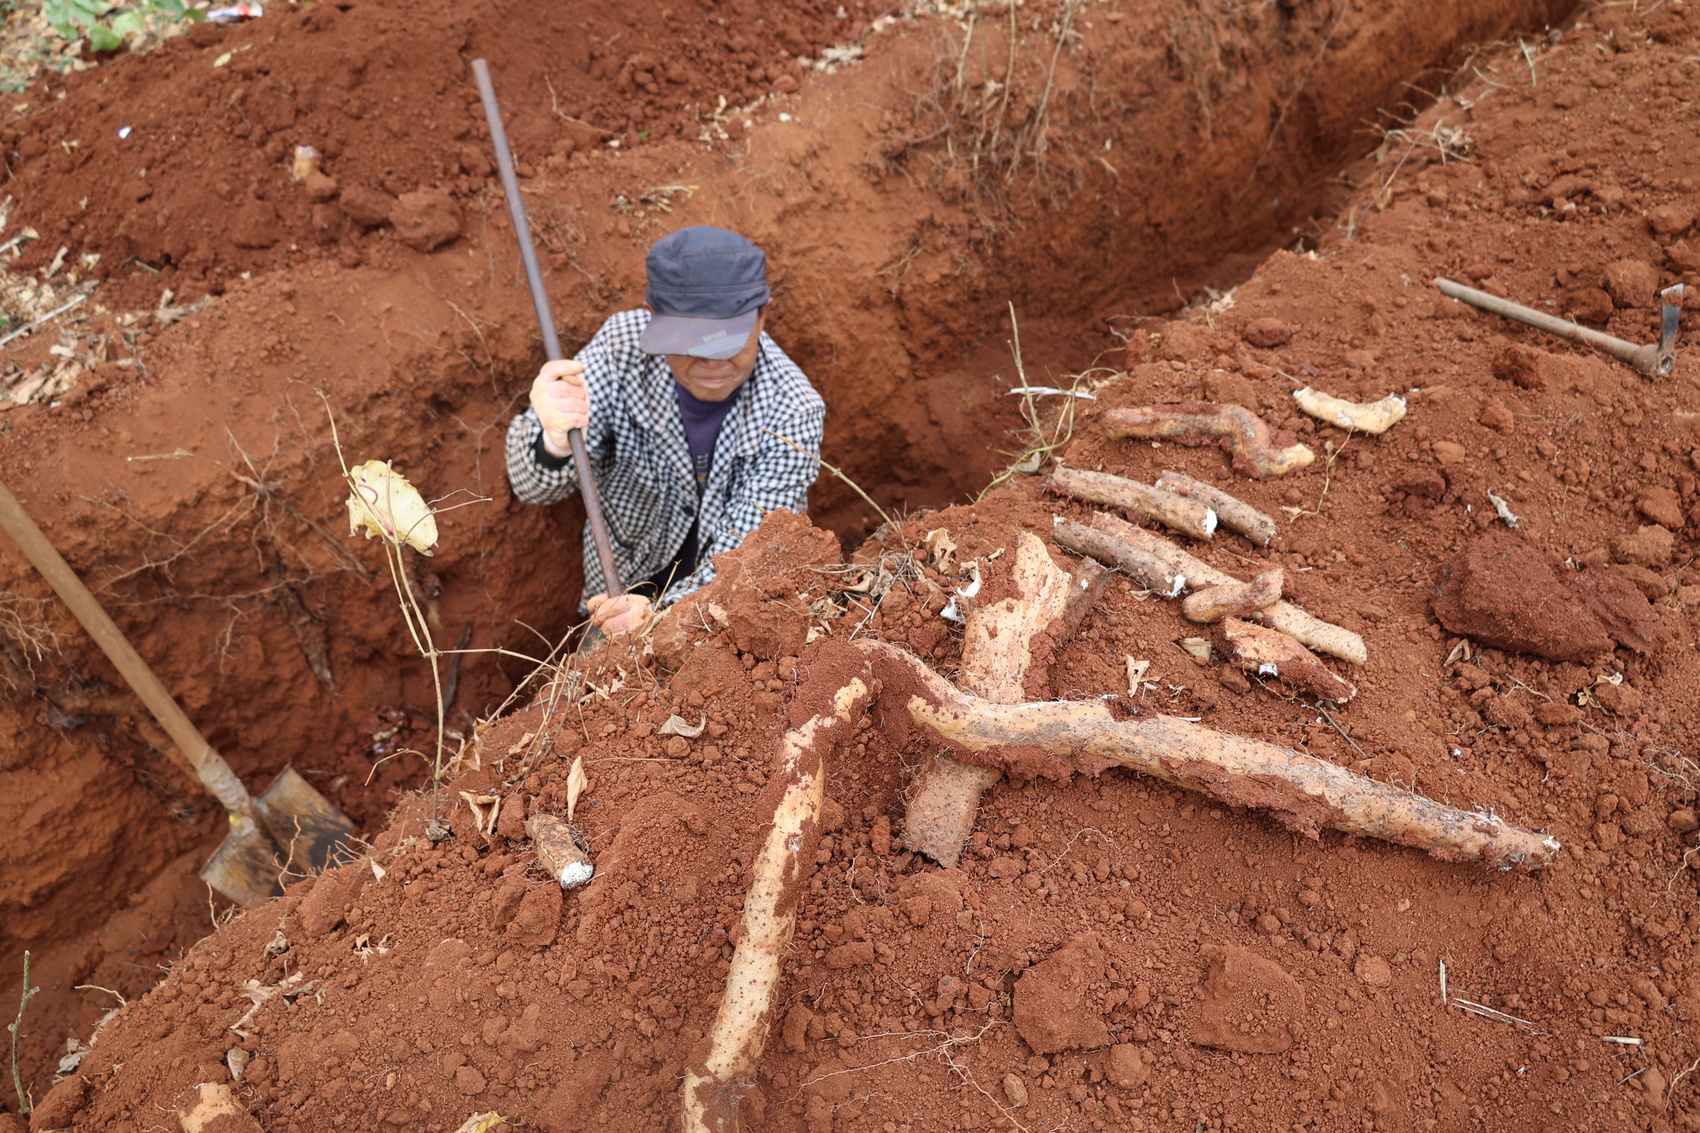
<point>1654,359</point>
<point>545,321</point>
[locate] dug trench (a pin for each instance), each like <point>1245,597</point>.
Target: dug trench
<point>199,493</point>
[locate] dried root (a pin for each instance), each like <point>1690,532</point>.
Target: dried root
<point>1234,514</point>
<point>1374,417</point>
<point>1174,511</point>
<point>1242,432</point>
<point>1122,543</point>
<point>778,875</point>
<point>1271,653</point>
<point>1058,738</point>
<point>1234,599</point>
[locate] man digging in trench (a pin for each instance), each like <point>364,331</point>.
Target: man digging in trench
<point>679,404</point>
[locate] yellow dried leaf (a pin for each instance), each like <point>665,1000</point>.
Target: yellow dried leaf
<point>482,1122</point>
<point>523,743</point>
<point>1136,671</point>
<point>577,781</point>
<point>385,505</point>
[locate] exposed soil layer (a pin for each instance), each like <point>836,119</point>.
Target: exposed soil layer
<point>1231,974</point>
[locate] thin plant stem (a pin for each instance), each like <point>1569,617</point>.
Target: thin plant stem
<point>416,616</point>
<point>16,1027</point>
<point>854,487</point>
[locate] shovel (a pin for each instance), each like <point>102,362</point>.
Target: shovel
<point>289,827</point>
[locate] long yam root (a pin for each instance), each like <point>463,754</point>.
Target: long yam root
<point>1176,512</point>
<point>1303,793</point>
<point>1243,433</point>
<point>1151,572</point>
<point>1234,599</point>
<point>1120,540</point>
<point>1234,514</point>
<point>1271,653</point>
<point>1362,417</point>
<point>777,877</point>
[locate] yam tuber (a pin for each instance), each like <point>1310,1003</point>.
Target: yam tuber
<point>778,874</point>
<point>1234,599</point>
<point>1152,573</point>
<point>1001,644</point>
<point>1271,653</point>
<point>558,852</point>
<point>1243,433</point>
<point>1189,517</point>
<point>1117,538</point>
<point>1374,417</point>
<point>1234,514</point>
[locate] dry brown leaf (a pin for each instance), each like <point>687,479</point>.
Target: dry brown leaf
<point>577,781</point>
<point>676,726</point>
<point>523,743</point>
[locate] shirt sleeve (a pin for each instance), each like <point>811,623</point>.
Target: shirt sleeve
<point>537,477</point>
<point>778,477</point>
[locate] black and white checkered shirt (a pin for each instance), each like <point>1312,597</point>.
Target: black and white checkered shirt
<point>642,463</point>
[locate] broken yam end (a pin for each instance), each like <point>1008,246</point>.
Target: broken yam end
<point>1271,653</point>
<point>1234,599</point>
<point>1374,417</point>
<point>558,852</point>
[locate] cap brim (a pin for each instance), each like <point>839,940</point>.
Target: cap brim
<point>700,338</point>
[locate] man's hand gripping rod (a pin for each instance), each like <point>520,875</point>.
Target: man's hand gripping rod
<point>545,322</point>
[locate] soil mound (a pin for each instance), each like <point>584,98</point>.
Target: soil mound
<point>428,982</point>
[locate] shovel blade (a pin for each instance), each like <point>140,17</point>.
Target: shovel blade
<point>312,834</point>
<point>246,866</point>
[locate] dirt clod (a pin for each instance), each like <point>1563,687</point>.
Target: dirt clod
<point>1250,1004</point>
<point>1055,1005</point>
<point>425,220</point>
<point>1503,592</point>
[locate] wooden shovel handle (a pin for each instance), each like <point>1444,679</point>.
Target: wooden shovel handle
<point>194,755</point>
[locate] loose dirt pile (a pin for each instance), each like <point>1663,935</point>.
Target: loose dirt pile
<point>1109,952</point>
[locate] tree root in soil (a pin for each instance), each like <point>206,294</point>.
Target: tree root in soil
<point>1243,433</point>
<point>1053,738</point>
<point>1159,565</point>
<point>1173,511</point>
<point>1233,513</point>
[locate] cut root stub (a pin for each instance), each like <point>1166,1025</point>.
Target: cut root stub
<point>558,852</point>
<point>1271,653</point>
<point>1375,417</point>
<point>1255,449</point>
<point>1234,599</point>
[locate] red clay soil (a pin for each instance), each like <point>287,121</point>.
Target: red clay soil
<point>1111,953</point>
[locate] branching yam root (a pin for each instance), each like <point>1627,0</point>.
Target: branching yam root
<point>1234,599</point>
<point>1234,514</point>
<point>1362,417</point>
<point>778,875</point>
<point>1176,512</point>
<point>1242,432</point>
<point>1303,793</point>
<point>1151,572</point>
<point>1117,539</point>
<point>999,645</point>
<point>1271,653</point>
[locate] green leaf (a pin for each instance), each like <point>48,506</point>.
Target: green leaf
<point>102,38</point>
<point>126,24</point>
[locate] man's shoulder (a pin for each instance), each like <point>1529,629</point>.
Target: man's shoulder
<point>624,328</point>
<point>785,379</point>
